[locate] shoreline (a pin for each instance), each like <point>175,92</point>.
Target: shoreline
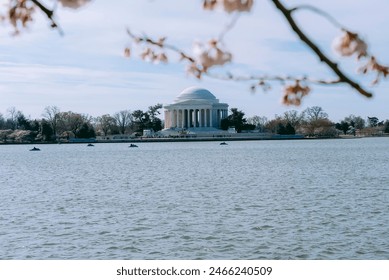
<point>195,139</point>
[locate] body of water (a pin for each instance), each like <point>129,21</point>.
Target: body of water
<point>295,199</point>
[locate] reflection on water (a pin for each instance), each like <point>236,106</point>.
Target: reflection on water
<point>316,199</point>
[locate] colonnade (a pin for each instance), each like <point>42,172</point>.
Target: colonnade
<point>187,118</point>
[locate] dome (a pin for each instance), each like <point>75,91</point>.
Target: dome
<point>195,93</point>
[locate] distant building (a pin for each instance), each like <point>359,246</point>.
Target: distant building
<point>195,110</point>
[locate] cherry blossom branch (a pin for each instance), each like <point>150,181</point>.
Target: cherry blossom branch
<point>323,58</point>
<point>206,56</point>
<point>261,79</point>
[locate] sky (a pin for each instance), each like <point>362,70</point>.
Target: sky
<point>84,70</point>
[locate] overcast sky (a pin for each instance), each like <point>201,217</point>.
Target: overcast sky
<point>85,71</point>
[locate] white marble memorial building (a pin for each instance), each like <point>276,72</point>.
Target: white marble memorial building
<point>195,109</point>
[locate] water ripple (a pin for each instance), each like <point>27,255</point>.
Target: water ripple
<point>258,200</point>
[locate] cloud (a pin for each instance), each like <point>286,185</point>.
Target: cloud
<point>87,90</point>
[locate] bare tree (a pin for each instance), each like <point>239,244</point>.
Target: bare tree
<point>315,113</point>
<point>259,122</point>
<point>123,119</point>
<point>294,118</point>
<point>106,123</point>
<point>316,121</point>
<point>69,122</point>
<point>12,117</point>
<point>50,113</point>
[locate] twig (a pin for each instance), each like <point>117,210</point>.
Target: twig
<point>229,26</point>
<point>333,66</point>
<point>319,12</point>
<point>275,78</point>
<point>161,44</point>
<point>49,13</point>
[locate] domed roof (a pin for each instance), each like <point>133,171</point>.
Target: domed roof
<point>195,93</point>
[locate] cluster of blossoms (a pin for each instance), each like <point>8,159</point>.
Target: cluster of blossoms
<point>229,6</point>
<point>19,14</point>
<point>207,56</point>
<point>350,44</point>
<point>194,69</point>
<point>210,54</point>
<point>294,93</point>
<point>373,65</point>
<point>149,53</point>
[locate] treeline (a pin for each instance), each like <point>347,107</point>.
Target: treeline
<point>314,122</point>
<point>56,125</point>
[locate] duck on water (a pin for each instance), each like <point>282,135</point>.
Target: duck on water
<point>133,146</point>
<point>35,149</point>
